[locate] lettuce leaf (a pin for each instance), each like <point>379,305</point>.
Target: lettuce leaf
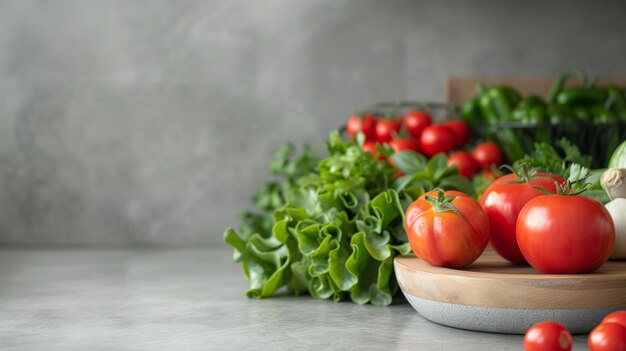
<point>332,227</point>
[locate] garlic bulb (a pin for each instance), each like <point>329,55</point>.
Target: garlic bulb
<point>613,181</point>
<point>617,209</point>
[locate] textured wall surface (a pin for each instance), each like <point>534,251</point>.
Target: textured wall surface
<point>153,121</point>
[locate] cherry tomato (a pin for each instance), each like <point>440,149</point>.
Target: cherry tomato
<point>489,174</point>
<point>608,337</point>
<point>487,154</point>
<point>547,336</point>
<point>447,229</point>
<point>464,163</point>
<point>437,138</point>
<point>416,121</point>
<point>503,200</point>
<point>370,146</point>
<point>400,144</point>
<point>366,125</point>
<point>561,234</point>
<point>460,129</point>
<point>618,317</point>
<point>386,130</point>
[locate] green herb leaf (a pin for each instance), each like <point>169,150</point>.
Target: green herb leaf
<point>546,158</point>
<point>409,161</point>
<point>437,166</point>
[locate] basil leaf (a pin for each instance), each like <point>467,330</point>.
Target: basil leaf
<point>409,161</point>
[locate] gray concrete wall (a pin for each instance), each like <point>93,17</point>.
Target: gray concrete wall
<point>153,121</point>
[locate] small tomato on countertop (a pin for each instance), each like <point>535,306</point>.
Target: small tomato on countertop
<point>607,337</point>
<point>547,336</point>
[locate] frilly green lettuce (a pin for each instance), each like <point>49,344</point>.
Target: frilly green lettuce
<point>332,228</point>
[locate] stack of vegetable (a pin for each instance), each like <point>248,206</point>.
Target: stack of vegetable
<point>329,226</point>
<point>415,131</point>
<point>594,118</point>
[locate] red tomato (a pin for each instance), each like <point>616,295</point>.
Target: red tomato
<point>370,146</point>
<point>618,317</point>
<point>460,129</point>
<point>437,138</point>
<point>399,144</point>
<point>367,125</point>
<point>608,337</point>
<point>464,163</point>
<point>489,174</point>
<point>487,154</point>
<point>503,200</point>
<point>547,336</point>
<point>447,229</point>
<point>561,234</point>
<point>386,129</point>
<point>416,121</point>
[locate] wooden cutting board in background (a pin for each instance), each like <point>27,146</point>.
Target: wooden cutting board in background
<point>459,89</point>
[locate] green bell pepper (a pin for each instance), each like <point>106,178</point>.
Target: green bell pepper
<point>617,102</point>
<point>602,115</point>
<point>470,111</point>
<point>558,83</point>
<point>581,96</point>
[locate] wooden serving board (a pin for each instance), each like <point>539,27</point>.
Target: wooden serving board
<point>495,295</point>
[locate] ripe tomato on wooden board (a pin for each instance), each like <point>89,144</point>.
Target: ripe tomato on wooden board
<point>547,336</point>
<point>561,234</point>
<point>366,125</point>
<point>464,163</point>
<point>416,121</point>
<point>437,138</point>
<point>503,200</point>
<point>447,229</point>
<point>608,337</point>
<point>487,154</point>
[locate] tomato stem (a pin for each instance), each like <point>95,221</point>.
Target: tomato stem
<point>442,203</point>
<point>522,173</point>
<point>576,184</point>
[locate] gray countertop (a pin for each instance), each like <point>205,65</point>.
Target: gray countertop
<point>180,299</point>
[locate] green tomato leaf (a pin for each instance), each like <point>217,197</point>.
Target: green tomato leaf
<point>437,166</point>
<point>457,182</point>
<point>578,173</point>
<point>360,139</point>
<point>409,161</point>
